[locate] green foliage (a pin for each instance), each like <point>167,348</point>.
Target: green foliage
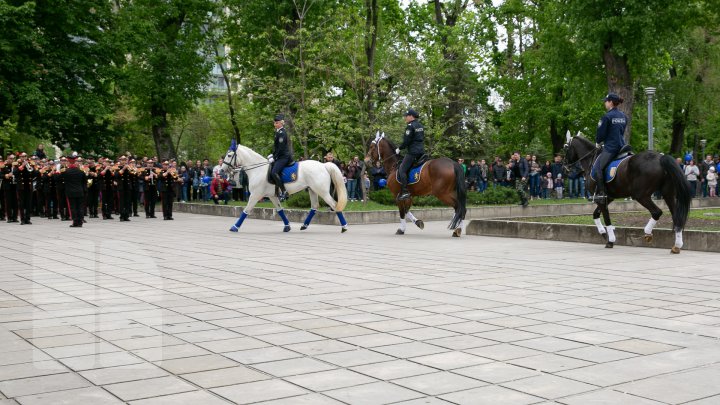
<point>494,196</point>
<point>382,196</point>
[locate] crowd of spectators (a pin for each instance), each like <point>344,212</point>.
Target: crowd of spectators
<point>703,177</point>
<point>545,180</point>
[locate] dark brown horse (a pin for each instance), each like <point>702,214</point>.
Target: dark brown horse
<point>638,177</point>
<point>443,178</point>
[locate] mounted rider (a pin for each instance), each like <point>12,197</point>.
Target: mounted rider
<point>282,155</point>
<point>611,129</point>
<point>414,141</point>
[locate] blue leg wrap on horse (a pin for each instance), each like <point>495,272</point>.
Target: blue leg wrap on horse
<point>284,218</point>
<point>309,217</point>
<point>241,219</point>
<point>341,217</point>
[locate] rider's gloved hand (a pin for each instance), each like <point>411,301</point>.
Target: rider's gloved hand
<point>271,158</point>
<point>397,151</point>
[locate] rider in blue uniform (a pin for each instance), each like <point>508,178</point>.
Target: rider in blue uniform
<point>282,154</point>
<point>414,141</point>
<point>609,133</point>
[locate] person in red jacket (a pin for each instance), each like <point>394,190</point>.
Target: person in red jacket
<point>219,188</point>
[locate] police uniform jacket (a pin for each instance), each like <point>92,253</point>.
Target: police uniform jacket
<point>281,148</point>
<point>611,129</point>
<point>414,138</point>
<point>75,182</point>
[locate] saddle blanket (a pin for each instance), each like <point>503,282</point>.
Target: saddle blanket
<point>414,175</point>
<point>611,169</point>
<point>289,174</point>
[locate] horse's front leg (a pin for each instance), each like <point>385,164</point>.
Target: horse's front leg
<point>610,228</point>
<point>598,222</point>
<point>420,224</point>
<point>403,223</point>
<point>280,212</point>
<point>254,198</point>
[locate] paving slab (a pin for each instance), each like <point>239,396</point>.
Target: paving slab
<point>86,319</point>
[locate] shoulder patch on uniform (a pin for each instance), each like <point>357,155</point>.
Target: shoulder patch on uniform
<point>281,139</point>
<point>599,123</point>
<point>407,132</point>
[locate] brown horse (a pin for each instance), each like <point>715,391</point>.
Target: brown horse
<point>443,178</point>
<point>638,176</point>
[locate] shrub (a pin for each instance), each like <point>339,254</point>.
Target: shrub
<point>382,196</point>
<point>494,196</point>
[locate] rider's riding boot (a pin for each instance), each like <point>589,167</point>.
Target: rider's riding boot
<point>600,196</point>
<point>278,182</point>
<point>404,193</point>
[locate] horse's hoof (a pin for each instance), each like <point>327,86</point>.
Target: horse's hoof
<point>399,232</point>
<point>609,245</point>
<point>343,229</point>
<point>304,227</point>
<point>233,228</point>
<point>675,250</point>
<point>457,232</point>
<point>648,238</point>
<point>286,228</point>
<point>420,224</point>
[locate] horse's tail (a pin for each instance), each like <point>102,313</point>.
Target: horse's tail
<point>337,179</point>
<point>682,191</point>
<point>461,192</point>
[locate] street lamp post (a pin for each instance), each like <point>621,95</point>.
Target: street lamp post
<point>703,142</point>
<point>650,91</point>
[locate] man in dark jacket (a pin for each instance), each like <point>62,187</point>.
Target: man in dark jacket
<point>75,191</point>
<point>25,176</point>
<point>521,171</point>
<point>414,141</point>
<point>282,154</point>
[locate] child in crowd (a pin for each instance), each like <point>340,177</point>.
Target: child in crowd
<point>547,185</point>
<point>712,179</point>
<point>559,187</point>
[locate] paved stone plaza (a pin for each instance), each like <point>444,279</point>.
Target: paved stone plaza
<point>184,312</point>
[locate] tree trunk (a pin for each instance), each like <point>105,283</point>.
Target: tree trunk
<point>557,139</point>
<point>445,20</point>
<point>228,91</point>
<point>620,82</point>
<point>371,27</point>
<point>679,124</point>
<point>163,141</point>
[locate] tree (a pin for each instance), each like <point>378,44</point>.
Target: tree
<point>168,63</point>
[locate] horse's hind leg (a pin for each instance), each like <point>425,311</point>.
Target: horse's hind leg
<point>668,194</point>
<point>655,214</point>
<point>313,208</point>
<point>330,201</point>
<point>448,199</point>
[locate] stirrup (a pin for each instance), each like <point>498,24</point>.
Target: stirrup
<point>403,196</point>
<point>598,199</point>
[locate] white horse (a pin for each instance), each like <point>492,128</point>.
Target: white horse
<point>312,175</point>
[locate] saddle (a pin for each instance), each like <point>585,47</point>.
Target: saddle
<point>282,174</point>
<point>624,152</point>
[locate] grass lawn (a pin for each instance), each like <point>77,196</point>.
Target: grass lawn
<point>706,219</point>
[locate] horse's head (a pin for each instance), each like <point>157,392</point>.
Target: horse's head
<point>576,149</point>
<point>230,161</point>
<point>379,149</point>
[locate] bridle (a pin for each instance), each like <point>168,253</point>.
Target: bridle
<point>376,142</point>
<point>235,166</point>
<point>568,165</point>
